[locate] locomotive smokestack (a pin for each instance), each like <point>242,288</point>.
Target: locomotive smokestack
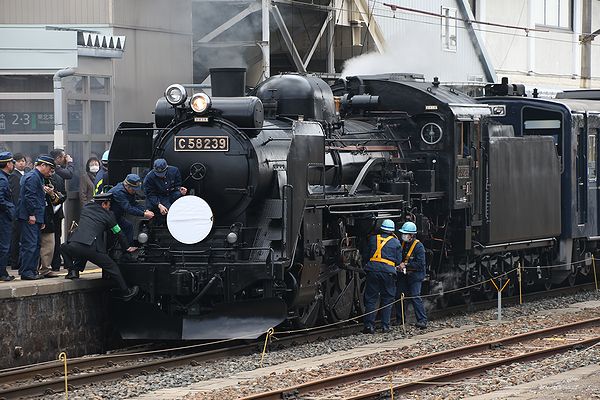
<point>228,82</point>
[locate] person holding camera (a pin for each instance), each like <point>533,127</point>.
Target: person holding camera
<point>64,171</point>
<point>54,199</point>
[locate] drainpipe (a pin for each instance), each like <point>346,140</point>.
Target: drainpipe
<point>59,129</point>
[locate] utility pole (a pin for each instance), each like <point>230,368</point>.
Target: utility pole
<point>586,38</point>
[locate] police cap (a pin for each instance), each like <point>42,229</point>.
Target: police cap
<point>45,159</point>
<point>133,180</point>
<point>101,197</point>
<point>160,167</point>
<point>6,156</point>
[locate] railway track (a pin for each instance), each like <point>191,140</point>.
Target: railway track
<point>443,367</point>
<point>47,378</point>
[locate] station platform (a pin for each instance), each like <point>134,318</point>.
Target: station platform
<point>40,319</point>
<point>90,278</point>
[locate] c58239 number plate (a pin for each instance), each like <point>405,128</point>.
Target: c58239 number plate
<point>201,143</point>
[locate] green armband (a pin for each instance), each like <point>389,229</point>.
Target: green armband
<point>116,229</point>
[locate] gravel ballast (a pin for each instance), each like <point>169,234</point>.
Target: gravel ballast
<point>482,326</point>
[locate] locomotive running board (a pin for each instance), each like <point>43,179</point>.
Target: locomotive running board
<point>243,320</point>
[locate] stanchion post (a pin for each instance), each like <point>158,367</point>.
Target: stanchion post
<point>594,267</point>
<point>63,357</point>
<point>402,308</point>
<point>520,276</point>
<point>268,335</point>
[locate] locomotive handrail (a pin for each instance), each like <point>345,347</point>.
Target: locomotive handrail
<point>363,173</point>
<point>285,207</point>
<point>200,252</point>
<point>365,211</point>
<point>363,203</point>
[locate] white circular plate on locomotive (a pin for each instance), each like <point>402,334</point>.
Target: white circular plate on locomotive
<point>190,219</point>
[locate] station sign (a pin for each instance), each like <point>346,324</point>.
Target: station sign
<point>26,122</point>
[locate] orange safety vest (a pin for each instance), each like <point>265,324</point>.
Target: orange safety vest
<point>377,255</point>
<point>412,247</point>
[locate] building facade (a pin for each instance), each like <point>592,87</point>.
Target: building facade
<point>547,44</point>
<point>121,55</point>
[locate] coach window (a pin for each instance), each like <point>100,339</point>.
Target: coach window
<point>591,159</point>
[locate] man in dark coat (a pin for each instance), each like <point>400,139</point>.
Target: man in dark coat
<point>124,203</point>
<point>15,186</point>
<point>385,255</point>
<point>162,186</point>
<point>413,269</point>
<point>7,213</point>
<point>87,242</point>
<point>64,171</point>
<point>30,212</point>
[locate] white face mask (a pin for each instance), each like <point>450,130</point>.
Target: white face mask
<point>406,237</point>
<point>94,168</point>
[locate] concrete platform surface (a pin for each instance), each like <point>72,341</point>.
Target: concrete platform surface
<point>91,278</point>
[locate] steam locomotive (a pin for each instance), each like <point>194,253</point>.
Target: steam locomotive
<point>286,183</point>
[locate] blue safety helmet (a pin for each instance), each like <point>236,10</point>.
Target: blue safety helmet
<point>388,225</point>
<point>409,227</point>
<point>105,157</point>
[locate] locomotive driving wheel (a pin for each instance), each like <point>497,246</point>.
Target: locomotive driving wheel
<point>308,315</point>
<point>338,295</point>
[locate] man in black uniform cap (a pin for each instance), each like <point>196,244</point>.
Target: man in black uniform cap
<point>87,242</point>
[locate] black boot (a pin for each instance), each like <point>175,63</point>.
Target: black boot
<point>73,274</point>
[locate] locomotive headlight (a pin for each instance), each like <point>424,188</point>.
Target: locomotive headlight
<point>200,102</point>
<point>175,94</point>
<point>142,237</point>
<point>232,237</point>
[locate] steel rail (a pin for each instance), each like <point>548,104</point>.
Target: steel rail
<point>386,369</point>
<point>475,370</point>
<point>56,383</point>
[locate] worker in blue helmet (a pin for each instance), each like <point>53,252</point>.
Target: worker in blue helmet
<point>412,272</point>
<point>102,176</point>
<point>385,253</point>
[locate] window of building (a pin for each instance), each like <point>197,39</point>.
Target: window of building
<point>449,29</point>
<point>554,13</point>
<point>25,83</point>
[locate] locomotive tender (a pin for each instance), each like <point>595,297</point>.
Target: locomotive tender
<point>293,180</point>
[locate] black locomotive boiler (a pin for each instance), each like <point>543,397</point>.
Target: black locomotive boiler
<point>292,190</point>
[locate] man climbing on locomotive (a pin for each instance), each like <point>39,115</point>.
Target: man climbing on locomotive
<point>124,202</point>
<point>411,274</point>
<point>162,186</point>
<point>386,252</point>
